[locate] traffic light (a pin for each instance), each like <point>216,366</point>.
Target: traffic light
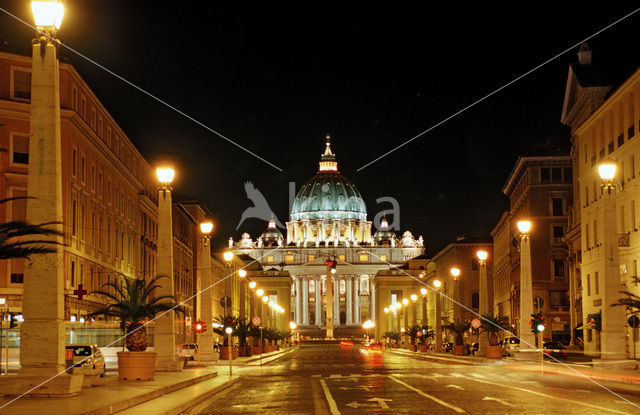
<point>536,320</point>
<point>332,263</point>
<point>200,326</point>
<point>13,321</point>
<point>595,320</point>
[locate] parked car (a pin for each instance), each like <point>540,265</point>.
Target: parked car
<point>555,349</point>
<point>188,350</point>
<point>509,345</point>
<point>87,359</point>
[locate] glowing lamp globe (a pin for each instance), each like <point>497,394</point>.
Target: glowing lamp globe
<point>540,327</point>
<point>405,301</point>
<point>423,291</point>
<point>165,174</point>
<point>437,283</point>
<point>206,227</point>
<point>259,291</point>
<point>265,299</point>
<point>293,325</point>
<point>228,256</point>
<point>414,297</point>
<point>524,226</point>
<point>386,310</point>
<point>455,272</point>
<point>47,14</point>
<point>228,330</point>
<point>333,270</point>
<point>482,255</point>
<point>607,171</point>
<point>242,273</point>
<point>252,285</point>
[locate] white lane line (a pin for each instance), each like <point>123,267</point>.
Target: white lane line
<point>489,398</point>
<point>602,408</point>
<point>455,386</point>
<point>327,394</point>
<point>426,395</point>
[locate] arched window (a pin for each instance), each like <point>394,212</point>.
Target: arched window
<point>312,287</point>
<point>343,287</point>
<point>364,285</point>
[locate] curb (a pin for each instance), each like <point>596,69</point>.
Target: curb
<point>145,397</point>
<point>607,377</point>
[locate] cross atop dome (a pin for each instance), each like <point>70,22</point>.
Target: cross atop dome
<point>328,161</point>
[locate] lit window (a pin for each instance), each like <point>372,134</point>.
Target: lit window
<point>288,258</point>
<point>269,258</point>
<point>364,257</point>
<point>312,287</point>
<point>342,258</point>
<point>364,286</point>
<point>343,287</point>
<point>21,84</point>
<point>311,258</point>
<point>383,258</point>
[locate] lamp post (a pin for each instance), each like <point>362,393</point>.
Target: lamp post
<point>455,275</point>
<point>483,339</point>
<point>526,286</point>
<point>367,325</point>
<point>229,330</point>
<point>414,311</point>
<point>42,348</point>
<point>205,340</point>
<point>541,346</point>
<point>228,256</point>
<point>331,269</point>
<point>164,337</point>
<point>437,284</point>
<point>613,333</point>
<point>425,319</point>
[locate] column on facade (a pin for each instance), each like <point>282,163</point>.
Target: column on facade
<point>372,301</point>
<point>336,300</point>
<point>298,301</point>
<point>318,321</point>
<point>349,283</point>
<point>336,231</point>
<point>356,300</point>
<point>305,301</point>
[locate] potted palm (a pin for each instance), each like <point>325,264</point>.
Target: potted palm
<point>424,335</point>
<point>393,336</point>
<point>459,328</point>
<point>493,324</point>
<point>413,334</point>
<point>243,330</point>
<point>132,302</point>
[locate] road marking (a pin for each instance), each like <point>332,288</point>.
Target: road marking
<point>426,395</point>
<point>488,398</point>
<point>380,403</point>
<point>602,408</point>
<point>455,386</point>
<point>327,394</point>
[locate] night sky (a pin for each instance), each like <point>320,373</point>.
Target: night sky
<point>277,79</point>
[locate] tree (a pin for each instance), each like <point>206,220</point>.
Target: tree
<point>20,239</point>
<point>493,324</point>
<point>133,302</point>
<point>631,301</point>
<point>458,327</point>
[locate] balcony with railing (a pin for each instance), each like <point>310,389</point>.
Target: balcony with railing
<point>624,239</point>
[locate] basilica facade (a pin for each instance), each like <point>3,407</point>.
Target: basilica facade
<point>329,221</point>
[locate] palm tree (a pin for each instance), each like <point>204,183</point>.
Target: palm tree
<point>458,327</point>
<point>632,301</point>
<point>133,302</point>
<point>20,239</point>
<point>493,324</point>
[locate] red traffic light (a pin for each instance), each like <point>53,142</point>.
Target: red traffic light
<point>199,326</point>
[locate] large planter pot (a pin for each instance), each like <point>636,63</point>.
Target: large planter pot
<point>424,347</point>
<point>242,351</point>
<point>413,347</point>
<point>494,352</point>
<point>256,350</point>
<point>136,365</point>
<point>458,350</point>
<point>224,353</point>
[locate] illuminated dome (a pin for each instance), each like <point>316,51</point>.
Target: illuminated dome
<point>384,235</point>
<point>328,194</point>
<point>272,234</point>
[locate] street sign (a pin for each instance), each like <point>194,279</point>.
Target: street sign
<point>419,333</point>
<point>225,302</point>
<point>476,323</point>
<point>634,322</point>
<point>256,321</point>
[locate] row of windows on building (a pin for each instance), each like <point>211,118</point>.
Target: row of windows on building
<point>290,257</point>
<point>611,129</point>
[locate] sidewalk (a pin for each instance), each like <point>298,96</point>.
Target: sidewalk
<point>169,392</point>
<point>584,369</point>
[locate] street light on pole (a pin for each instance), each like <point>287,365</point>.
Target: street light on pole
<point>229,330</point>
<point>205,339</point>
<point>437,284</point>
<point>483,339</point>
<point>526,285</point>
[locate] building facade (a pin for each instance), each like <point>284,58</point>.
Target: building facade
<point>540,190</point>
<point>329,220</point>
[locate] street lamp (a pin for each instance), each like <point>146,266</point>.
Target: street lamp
<point>455,273</point>
<point>252,285</point>
<point>613,331</point>
<point>437,284</point>
<point>242,273</point>
<point>259,292</point>
<point>367,325</point>
<point>228,256</point>
<point>229,330</point>
<point>483,339</point>
<point>205,339</point>
<point>526,284</point>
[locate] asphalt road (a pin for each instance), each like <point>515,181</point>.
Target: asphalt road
<point>330,379</point>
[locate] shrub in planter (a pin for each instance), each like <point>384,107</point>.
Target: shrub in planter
<point>132,302</point>
<point>492,324</point>
<point>458,327</point>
